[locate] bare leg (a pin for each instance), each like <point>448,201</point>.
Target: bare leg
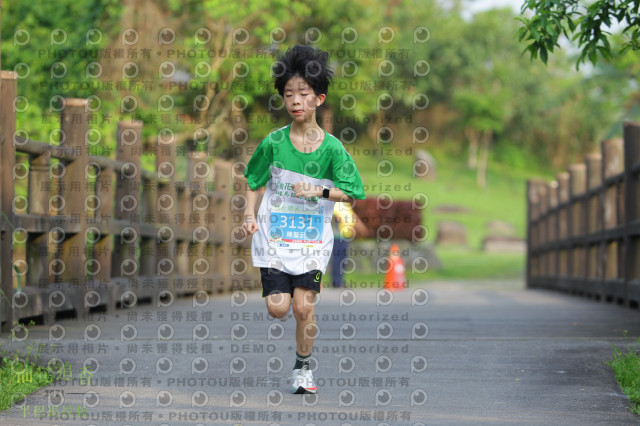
<point>278,304</point>
<point>303,310</point>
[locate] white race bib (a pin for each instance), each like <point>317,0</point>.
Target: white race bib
<point>295,226</point>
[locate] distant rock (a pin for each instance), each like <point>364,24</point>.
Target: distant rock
<point>423,157</point>
<point>451,234</point>
<point>450,208</point>
<point>500,227</point>
<point>418,252</point>
<point>504,244</point>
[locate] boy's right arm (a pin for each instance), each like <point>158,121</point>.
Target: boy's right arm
<point>250,224</point>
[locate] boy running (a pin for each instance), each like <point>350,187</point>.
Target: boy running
<point>305,171</point>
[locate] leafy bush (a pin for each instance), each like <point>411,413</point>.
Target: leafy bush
<point>382,213</point>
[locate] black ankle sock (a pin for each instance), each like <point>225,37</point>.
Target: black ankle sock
<point>301,361</point>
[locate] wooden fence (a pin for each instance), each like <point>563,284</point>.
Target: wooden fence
<point>584,227</point>
<point>95,233</point>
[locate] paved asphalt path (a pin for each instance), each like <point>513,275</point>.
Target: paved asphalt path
<point>441,353</point>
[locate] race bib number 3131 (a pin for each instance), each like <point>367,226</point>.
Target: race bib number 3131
<point>294,229</point>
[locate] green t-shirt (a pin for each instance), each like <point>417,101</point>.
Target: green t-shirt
<point>330,161</point>
<point>294,234</point>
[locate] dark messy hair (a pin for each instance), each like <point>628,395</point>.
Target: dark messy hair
<point>307,62</point>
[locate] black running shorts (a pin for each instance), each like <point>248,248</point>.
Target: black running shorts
<point>276,281</point>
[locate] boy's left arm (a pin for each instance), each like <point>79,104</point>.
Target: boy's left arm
<point>345,175</point>
<point>304,189</point>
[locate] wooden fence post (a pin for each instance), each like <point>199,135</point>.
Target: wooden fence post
<point>216,284</point>
<point>37,244</point>
<point>125,261</point>
<point>166,210</point>
<point>631,271</point>
<point>8,93</point>
<point>530,245</point>
<point>200,266</point>
<point>612,165</point>
<point>577,211</point>
<point>151,284</point>
<point>74,126</point>
<point>595,248</point>
<point>543,236</point>
<point>243,274</point>
<point>535,231</point>
<point>0,37</point>
<point>554,262</point>
<point>105,242</point>
<point>184,241</point>
<point>224,222</point>
<point>543,195</point>
<point>564,228</point>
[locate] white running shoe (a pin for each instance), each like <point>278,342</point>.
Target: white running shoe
<point>303,381</point>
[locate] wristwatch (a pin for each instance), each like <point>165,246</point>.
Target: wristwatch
<point>325,191</point>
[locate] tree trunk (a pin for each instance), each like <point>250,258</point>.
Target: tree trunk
<point>374,125</point>
<point>240,131</point>
<point>472,137</point>
<point>483,159</point>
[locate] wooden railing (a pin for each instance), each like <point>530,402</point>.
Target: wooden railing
<point>584,227</point>
<point>95,233</point>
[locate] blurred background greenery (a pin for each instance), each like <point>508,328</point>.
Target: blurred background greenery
<point>495,118</point>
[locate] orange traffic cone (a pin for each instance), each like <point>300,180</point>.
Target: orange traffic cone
<point>396,278</point>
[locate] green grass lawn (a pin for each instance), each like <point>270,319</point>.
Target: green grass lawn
<point>626,365</point>
<point>502,199</point>
<point>473,263</point>
<point>19,376</point>
<point>461,264</point>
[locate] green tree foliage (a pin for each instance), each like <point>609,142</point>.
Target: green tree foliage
<point>399,65</point>
<point>586,22</point>
<point>482,94</point>
<point>51,46</point>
